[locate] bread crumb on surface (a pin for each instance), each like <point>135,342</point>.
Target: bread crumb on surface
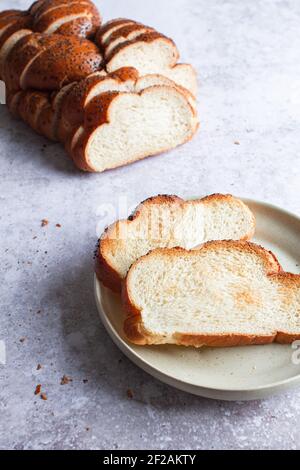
<point>236,142</point>
<point>38,389</point>
<point>38,367</point>
<point>58,225</point>
<point>44,396</point>
<point>44,222</point>
<point>22,340</point>
<point>65,380</point>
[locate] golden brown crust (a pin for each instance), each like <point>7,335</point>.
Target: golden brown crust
<point>4,15</point>
<point>13,100</point>
<point>30,105</point>
<point>46,122</point>
<point>222,341</point>
<point>105,271</point>
<point>125,32</point>
<point>23,22</point>
<point>64,59</point>
<point>45,13</point>
<point>18,58</point>
<point>81,27</point>
<point>110,25</point>
<point>42,14</point>
<point>43,20</point>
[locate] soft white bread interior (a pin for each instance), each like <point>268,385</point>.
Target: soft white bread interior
<point>166,222</point>
<point>227,293</point>
<point>121,128</point>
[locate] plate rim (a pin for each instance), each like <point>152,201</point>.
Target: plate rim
<point>228,394</point>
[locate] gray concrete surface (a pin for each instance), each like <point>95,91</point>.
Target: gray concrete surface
<point>247,56</point>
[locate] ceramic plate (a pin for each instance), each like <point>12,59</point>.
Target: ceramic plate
<point>243,373</point>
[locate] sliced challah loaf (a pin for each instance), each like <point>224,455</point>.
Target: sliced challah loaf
<point>224,294</point>
<point>166,222</point>
<point>75,91</point>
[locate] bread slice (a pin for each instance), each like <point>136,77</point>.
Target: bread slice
<point>227,293</point>
<point>166,222</point>
<point>121,128</point>
<point>150,53</point>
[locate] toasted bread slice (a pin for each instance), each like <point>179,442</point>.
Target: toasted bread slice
<point>227,293</point>
<point>166,222</point>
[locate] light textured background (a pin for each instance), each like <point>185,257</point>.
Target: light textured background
<point>247,56</point>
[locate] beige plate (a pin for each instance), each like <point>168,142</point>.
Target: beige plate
<point>243,373</point>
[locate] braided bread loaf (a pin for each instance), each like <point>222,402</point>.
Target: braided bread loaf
<point>111,94</point>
